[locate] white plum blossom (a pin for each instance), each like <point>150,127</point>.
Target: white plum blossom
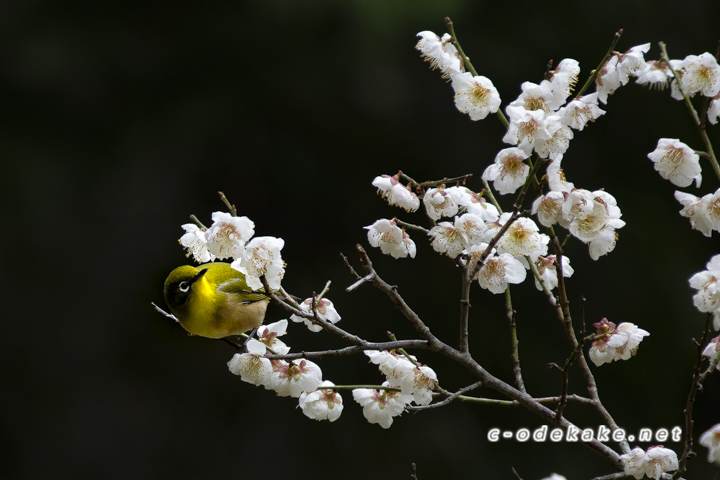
<point>471,228</point>
<point>268,334</point>
<point>712,350</point>
<point>617,343</point>
<point>473,203</point>
<point>391,240</point>
<point>537,97</point>
<point>698,211</point>
<point>228,235</point>
<point>439,203</point>
<point>523,238</point>
<point>548,208</point>
<point>634,462</point>
<point>499,271</point>
<point>493,228</point>
<point>713,112</point>
<point>381,406</point>
<point>707,283</point>
<point>632,63</point>
<point>658,75</point>
<point>653,463</point>
<point>322,404</point>
<point>548,271</point>
<point>555,476</point>
<point>476,96</point>
<point>394,366</point>
<point>579,204</point>
<point>262,257</point>
<point>525,128</point>
<point>603,243</point>
<point>252,366</point>
<point>508,172</point>
<point>559,141</point>
<point>608,79</point>
<point>420,384</point>
<point>701,74</point>
<point>587,227</point>
<point>676,162</point>
<point>196,244</point>
<point>446,239</point>
<point>396,193</point>
<point>291,379</point>
<point>440,53</point>
<point>711,441</point>
<point>564,79</point>
<point>325,310</point>
<point>556,177</point>
<point>580,111</point>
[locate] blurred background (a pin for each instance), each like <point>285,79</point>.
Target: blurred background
<point>120,119</point>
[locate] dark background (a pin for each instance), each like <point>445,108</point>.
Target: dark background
<point>119,119</point>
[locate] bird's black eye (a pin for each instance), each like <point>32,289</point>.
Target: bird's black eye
<point>184,287</point>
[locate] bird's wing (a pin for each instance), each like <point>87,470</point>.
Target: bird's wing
<point>237,286</point>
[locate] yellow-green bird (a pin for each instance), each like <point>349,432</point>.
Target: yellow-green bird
<point>213,300</point>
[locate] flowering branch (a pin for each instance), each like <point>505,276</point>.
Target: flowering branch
<point>594,73</point>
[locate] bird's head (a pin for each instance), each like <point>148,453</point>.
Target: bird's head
<point>179,286</point>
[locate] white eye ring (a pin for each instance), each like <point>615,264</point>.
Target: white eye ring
<point>184,287</point>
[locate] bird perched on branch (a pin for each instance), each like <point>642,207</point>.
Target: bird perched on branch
<point>213,300</point>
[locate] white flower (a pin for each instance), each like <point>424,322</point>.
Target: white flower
<point>440,53</point>
<point>548,271</point>
<point>713,112</point>
<point>608,79</point>
<point>325,310</point>
<point>380,407</point>
<point>439,203</point>
<point>499,271</point>
<point>580,111</point>
<point>196,244</point>
<point>711,441</point>
<point>291,379</point>
<point>268,334</point>
<point>588,227</point>
<point>396,193</point>
<point>676,162</point>
<point>696,210</point>
<point>537,97</point>
<point>634,462</point>
<point>603,243</point>
<point>701,74</point>
<point>556,177</point>
<point>420,384</point>
<point>564,79</point>
<point>526,128</point>
<point>712,350</point>
<point>549,208</point>
<point>559,141</point>
<point>555,476</point>
<point>322,404</point>
<point>446,239</point>
<point>523,238</point>
<point>508,172</point>
<point>252,366</point>
<point>707,283</point>
<point>393,365</point>
<point>391,239</point>
<point>658,75</point>
<point>262,257</point>
<point>473,203</point>
<point>659,461</point>
<point>632,63</point>
<point>476,96</point>
<point>579,204</point>
<point>472,229</point>
<point>228,235</point>
<point>617,343</point>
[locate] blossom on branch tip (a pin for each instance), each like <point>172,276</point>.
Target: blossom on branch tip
<point>381,406</point>
<point>676,162</point>
<point>228,235</point>
<point>608,79</point>
<point>616,343</point>
<point>322,404</point>
<point>564,79</point>
<point>261,256</point>
<point>508,172</point>
<point>396,193</point>
<point>196,244</point>
<point>711,441</point>
<point>391,240</point>
<point>268,334</point>
<point>325,310</point>
<point>252,366</point>
<point>439,203</point>
<point>476,96</point>
<point>632,63</point>
<point>701,74</point>
<point>440,53</point>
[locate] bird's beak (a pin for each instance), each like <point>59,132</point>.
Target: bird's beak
<point>198,276</point>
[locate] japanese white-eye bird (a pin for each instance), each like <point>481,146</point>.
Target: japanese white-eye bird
<point>213,300</point>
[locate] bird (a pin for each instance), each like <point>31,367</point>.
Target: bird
<point>213,300</point>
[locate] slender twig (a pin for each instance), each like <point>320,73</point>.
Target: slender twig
<point>449,399</point>
<point>510,314</point>
<point>164,313</point>
<point>433,183</point>
<point>197,222</point>
<point>231,207</point>
<point>341,352</point>
<point>410,226</point>
<point>595,72</point>
<point>350,267</point>
<point>464,343</point>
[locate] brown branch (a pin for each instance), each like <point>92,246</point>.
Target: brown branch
<point>449,399</point>
<point>422,344</point>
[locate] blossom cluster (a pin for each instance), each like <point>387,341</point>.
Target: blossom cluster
<point>232,237</point>
<point>615,343</point>
<point>414,381</point>
<point>653,462</point>
<point>707,283</point>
